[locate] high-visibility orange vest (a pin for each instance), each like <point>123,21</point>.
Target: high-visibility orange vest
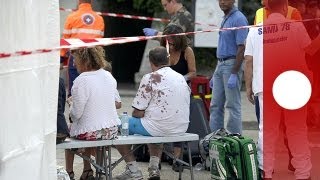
<point>262,14</point>
<point>83,23</point>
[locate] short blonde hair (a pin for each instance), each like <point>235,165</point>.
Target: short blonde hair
<point>90,58</point>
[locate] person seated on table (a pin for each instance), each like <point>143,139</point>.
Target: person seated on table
<point>161,108</point>
<point>92,111</point>
<point>181,60</point>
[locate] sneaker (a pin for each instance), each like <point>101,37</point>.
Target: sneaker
<point>128,175</point>
<point>154,173</point>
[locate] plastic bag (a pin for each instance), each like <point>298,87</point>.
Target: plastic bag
<point>62,173</point>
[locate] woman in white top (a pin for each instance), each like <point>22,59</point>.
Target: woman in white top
<point>92,107</point>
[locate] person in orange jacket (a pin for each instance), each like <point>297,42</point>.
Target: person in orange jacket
<point>263,13</point>
<point>85,24</point>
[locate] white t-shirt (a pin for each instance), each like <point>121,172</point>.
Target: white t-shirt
<point>165,97</point>
<point>93,95</point>
<point>117,96</point>
<point>254,48</point>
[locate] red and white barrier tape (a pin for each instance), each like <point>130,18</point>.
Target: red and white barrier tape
<point>26,52</point>
<point>123,15</point>
<point>133,17</point>
<point>80,43</point>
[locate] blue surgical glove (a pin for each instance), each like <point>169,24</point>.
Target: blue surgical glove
<point>150,31</point>
<point>232,82</point>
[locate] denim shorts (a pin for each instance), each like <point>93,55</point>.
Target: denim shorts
<point>135,127</point>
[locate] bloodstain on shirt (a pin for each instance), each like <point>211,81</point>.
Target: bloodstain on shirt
<point>155,78</point>
<point>160,93</point>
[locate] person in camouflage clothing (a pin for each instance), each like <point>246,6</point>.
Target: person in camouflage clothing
<point>179,15</point>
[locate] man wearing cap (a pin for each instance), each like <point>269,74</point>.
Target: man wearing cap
<point>227,78</point>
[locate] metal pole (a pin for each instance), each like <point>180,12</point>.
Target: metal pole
<point>109,163</point>
<point>190,161</point>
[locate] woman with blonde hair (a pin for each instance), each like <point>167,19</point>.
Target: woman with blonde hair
<point>92,107</point>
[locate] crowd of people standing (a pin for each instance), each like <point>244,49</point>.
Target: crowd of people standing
<point>174,65</point>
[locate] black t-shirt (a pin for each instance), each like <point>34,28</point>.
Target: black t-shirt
<point>181,66</point>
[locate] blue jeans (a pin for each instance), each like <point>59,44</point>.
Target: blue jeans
<point>224,97</point>
<point>73,74</point>
<point>257,107</point>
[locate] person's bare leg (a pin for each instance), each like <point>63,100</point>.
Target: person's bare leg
<point>177,152</point>
<point>124,150</point>
<point>130,161</point>
<point>155,151</point>
<point>87,171</point>
<point>69,157</point>
<point>86,164</point>
<point>155,156</point>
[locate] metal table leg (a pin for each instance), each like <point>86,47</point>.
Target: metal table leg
<point>98,149</point>
<point>103,161</point>
<point>98,156</point>
<point>109,165</point>
<point>181,157</point>
<point>190,161</point>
